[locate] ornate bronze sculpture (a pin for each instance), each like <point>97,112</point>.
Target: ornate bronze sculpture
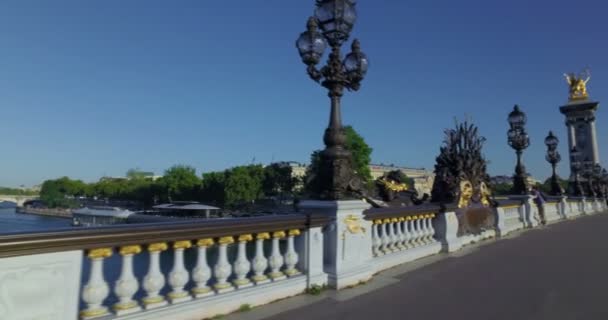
<point>578,85</point>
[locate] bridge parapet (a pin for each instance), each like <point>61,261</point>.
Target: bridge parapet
<point>194,270</point>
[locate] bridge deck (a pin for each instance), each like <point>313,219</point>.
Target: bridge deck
<point>557,272</point>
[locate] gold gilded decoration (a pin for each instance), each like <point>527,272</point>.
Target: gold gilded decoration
<point>393,186</point>
<point>220,286</point>
<point>134,249</point>
<point>377,221</point>
<point>93,313</point>
<point>485,194</point>
<point>386,221</point>
<point>100,253</point>
<point>245,237</point>
<point>124,306</point>
<point>259,278</point>
<point>152,300</point>
<point>408,218</point>
<point>226,240</point>
<point>353,224</point>
<point>241,282</point>
<point>466,192</point>
<point>401,219</point>
<point>157,247</point>
<point>201,290</point>
<point>294,232</point>
<point>263,236</point>
<point>177,295</point>
<point>395,220</point>
<point>278,234</point>
<point>183,244</point>
<point>208,242</point>
<point>577,85</point>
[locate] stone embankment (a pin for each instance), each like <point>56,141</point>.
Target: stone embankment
<point>56,212</point>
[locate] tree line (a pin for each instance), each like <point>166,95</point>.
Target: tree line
<point>231,188</point>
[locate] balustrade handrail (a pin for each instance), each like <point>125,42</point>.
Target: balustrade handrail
<point>397,212</point>
<point>137,234</point>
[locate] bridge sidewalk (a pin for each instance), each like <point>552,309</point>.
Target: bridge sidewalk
<point>556,272</point>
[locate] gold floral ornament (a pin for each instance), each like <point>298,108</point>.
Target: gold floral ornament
<point>226,240</point>
<point>245,237</point>
<point>263,236</point>
<point>577,85</point>
<point>293,232</point>
<point>353,224</point>
<point>466,192</point>
<point>278,234</point>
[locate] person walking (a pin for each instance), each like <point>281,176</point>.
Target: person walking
<point>539,200</point>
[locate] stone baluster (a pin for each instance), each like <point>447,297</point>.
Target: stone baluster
<point>276,259</point>
<point>398,234</point>
<point>260,263</point>
<point>97,289</point>
<point>202,272</point>
<point>386,240</point>
<point>376,240</point>
<point>419,225</point>
<point>415,227</point>
<point>179,277</point>
<point>242,266</point>
<point>291,256</point>
<point>223,269</point>
<point>407,233</point>
<point>390,234</point>
<point>425,229</point>
<point>154,281</point>
<point>431,229</point>
<point>126,285</point>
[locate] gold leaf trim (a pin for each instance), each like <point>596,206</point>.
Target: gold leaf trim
<point>294,232</point>
<point>207,242</point>
<point>133,249</point>
<point>245,237</point>
<point>278,234</point>
<point>157,247</point>
<point>183,244</point>
<point>226,240</point>
<point>263,236</point>
<point>100,253</point>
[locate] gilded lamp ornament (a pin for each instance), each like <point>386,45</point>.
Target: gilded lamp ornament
<point>577,85</point>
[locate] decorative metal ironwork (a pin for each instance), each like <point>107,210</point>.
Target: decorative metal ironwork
<point>553,157</point>
<point>335,19</point>
<point>518,140</point>
<point>460,163</point>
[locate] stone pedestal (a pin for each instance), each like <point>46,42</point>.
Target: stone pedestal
<point>311,245</point>
<point>531,217</point>
<point>347,241</point>
<point>446,229</point>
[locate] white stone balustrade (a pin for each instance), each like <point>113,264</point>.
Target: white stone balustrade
<point>402,233</point>
<point>97,289</point>
<point>127,285</point>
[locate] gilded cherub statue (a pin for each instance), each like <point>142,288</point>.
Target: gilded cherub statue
<point>578,85</point>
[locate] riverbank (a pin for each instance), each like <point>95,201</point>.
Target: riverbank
<point>59,213</point>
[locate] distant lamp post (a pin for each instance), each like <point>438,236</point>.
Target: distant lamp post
<point>332,24</point>
<point>518,140</point>
<point>553,157</point>
<point>575,185</point>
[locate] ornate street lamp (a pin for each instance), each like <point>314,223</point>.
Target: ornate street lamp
<point>553,157</point>
<point>518,140</point>
<point>332,24</point>
<point>575,187</point>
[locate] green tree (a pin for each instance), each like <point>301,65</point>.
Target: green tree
<point>181,183</point>
<point>502,189</point>
<point>278,180</point>
<point>213,188</point>
<point>243,185</point>
<point>58,193</point>
<point>546,185</point>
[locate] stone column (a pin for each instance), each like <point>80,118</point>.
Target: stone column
<point>446,227</point>
<point>348,241</point>
<point>310,247</point>
<point>596,154</point>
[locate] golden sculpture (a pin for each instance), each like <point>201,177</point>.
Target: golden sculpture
<point>353,224</point>
<point>393,186</point>
<point>466,192</point>
<point>578,85</point>
<point>484,193</point>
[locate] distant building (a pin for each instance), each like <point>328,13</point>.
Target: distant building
<point>509,180</point>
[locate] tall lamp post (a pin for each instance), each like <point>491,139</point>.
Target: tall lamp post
<point>575,187</point>
<point>553,157</point>
<point>332,23</point>
<point>518,140</point>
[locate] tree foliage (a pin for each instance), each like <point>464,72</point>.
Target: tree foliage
<point>181,183</point>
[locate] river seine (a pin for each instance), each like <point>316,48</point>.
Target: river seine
<point>11,222</point>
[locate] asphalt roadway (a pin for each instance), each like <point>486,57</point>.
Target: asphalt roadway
<point>557,272</point>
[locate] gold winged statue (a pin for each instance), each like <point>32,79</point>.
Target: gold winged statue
<point>578,85</point>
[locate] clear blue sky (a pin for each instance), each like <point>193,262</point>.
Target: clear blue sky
<point>92,88</point>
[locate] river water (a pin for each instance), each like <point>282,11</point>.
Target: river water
<point>11,221</point>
